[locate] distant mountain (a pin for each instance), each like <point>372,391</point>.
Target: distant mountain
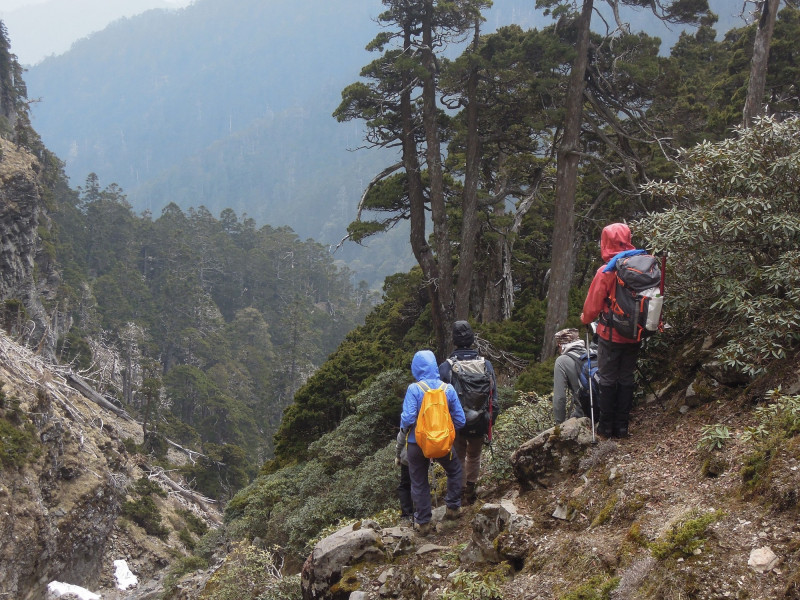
<point>50,27</point>
<point>228,104</point>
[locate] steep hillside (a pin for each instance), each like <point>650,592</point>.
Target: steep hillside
<point>658,515</point>
<point>73,498</point>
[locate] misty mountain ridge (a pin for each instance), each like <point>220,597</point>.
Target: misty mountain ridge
<point>228,105</point>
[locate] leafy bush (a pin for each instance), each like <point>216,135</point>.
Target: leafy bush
<point>349,473</point>
<point>18,445</point>
<point>471,585</point>
<point>774,438</point>
<point>685,536</point>
<point>528,417</point>
<point>713,437</point>
<point>732,232</point>
<point>250,572</point>
<point>145,513</point>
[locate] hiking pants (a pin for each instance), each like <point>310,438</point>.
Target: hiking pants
<point>420,487</point>
<point>469,450</point>
<point>616,364</point>
<point>404,492</point>
<point>565,377</point>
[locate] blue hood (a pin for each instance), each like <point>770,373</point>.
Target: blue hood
<point>424,366</point>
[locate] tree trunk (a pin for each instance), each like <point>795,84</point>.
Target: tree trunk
<point>469,201</point>
<point>416,196</point>
<point>444,311</point>
<point>562,262</point>
<point>759,63</point>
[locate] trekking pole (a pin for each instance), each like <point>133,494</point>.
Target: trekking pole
<point>591,395</point>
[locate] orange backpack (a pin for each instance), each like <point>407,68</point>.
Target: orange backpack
<point>435,431</point>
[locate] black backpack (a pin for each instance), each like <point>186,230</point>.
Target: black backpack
<point>635,311</point>
<point>474,385</point>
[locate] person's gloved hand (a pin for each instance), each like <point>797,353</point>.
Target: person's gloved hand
<point>397,462</point>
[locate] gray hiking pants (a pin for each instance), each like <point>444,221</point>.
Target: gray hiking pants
<point>469,450</point>
<point>420,487</point>
<point>565,377</point>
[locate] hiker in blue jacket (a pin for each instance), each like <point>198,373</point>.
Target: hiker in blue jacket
<point>425,369</point>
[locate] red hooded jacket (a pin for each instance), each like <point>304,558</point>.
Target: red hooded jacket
<point>615,238</point>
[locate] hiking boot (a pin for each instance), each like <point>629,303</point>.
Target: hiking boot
<point>452,513</point>
<point>604,430</point>
<point>423,529</point>
<point>620,430</point>
<point>469,496</point>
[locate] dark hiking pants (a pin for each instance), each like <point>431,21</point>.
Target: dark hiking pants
<point>420,487</point>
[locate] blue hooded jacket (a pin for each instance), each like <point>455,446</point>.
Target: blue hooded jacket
<point>424,368</point>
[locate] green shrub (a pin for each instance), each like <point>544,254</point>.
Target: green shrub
<point>193,523</point>
<point>145,487</point>
<point>185,536</point>
<point>685,536</point>
<point>249,572</point>
<point>713,437</point>
<point>18,445</point>
<point>349,474</point>
<point>598,587</point>
<point>778,423</point>
<point>179,568</point>
<point>145,513</point>
<point>471,585</point>
<point>732,231</point>
<point>524,420</point>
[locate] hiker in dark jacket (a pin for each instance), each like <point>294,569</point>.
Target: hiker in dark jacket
<point>469,447</point>
<point>424,369</point>
<point>404,487</point>
<point>565,374</point>
<point>617,355</point>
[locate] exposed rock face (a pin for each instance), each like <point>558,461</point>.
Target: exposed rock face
<point>64,475</point>
<point>324,567</point>
<point>22,212</point>
<point>553,453</point>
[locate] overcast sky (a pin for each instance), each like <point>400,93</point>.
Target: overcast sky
<point>39,28</point>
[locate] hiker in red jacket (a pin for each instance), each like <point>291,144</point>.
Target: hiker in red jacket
<point>617,355</point>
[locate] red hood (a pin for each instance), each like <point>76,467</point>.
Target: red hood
<point>615,238</point>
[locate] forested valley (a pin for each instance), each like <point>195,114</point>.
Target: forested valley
<point>511,157</point>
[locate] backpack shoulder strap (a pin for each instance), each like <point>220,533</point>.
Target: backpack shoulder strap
<point>424,386</point>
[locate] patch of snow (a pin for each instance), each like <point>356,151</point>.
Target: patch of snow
<point>125,579</point>
<point>57,589</point>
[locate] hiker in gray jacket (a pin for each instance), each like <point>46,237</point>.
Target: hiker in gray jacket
<point>565,374</point>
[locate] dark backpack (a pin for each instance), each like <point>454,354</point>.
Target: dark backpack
<point>635,311</point>
<point>587,375</point>
<point>474,385</point>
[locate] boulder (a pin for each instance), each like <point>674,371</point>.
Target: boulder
<point>492,521</point>
<point>762,559</point>
<point>332,555</point>
<point>552,454</point>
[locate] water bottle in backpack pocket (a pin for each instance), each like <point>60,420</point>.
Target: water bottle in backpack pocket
<point>635,311</point>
